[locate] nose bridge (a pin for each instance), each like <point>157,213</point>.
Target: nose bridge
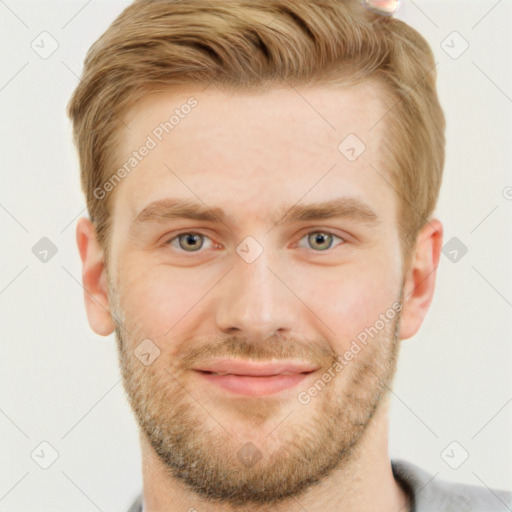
<point>255,301</point>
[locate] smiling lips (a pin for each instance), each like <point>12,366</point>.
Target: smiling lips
<point>254,378</point>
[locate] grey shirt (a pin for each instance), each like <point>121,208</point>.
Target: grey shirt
<point>428,494</point>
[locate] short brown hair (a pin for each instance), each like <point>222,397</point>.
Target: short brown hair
<point>254,44</point>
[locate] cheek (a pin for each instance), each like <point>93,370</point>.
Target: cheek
<point>156,299</point>
<point>350,298</point>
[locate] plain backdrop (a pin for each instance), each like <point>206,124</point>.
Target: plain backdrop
<point>452,399</point>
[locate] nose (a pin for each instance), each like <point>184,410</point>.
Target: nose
<point>256,302</point>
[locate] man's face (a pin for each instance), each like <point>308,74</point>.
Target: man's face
<point>260,285</point>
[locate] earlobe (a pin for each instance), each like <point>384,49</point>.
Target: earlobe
<point>420,277</point>
<point>94,279</point>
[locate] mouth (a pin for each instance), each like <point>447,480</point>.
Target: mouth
<point>253,378</point>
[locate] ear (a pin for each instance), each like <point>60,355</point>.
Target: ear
<point>420,278</point>
<point>94,279</point>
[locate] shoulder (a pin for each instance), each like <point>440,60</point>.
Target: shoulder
<point>136,505</point>
<point>431,494</point>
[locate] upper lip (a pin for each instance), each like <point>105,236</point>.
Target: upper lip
<point>244,367</point>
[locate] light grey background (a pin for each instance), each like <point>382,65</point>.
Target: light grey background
<point>60,382</point>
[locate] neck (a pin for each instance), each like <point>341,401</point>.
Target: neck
<point>365,482</point>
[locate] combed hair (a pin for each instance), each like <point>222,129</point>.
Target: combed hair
<point>254,45</point>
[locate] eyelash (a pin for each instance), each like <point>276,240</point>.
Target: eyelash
<point>176,237</point>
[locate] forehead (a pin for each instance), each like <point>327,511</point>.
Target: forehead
<point>254,152</point>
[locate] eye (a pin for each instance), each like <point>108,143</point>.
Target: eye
<point>188,242</point>
<point>321,240</point>
<point>192,242</point>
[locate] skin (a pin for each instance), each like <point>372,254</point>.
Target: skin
<point>254,156</point>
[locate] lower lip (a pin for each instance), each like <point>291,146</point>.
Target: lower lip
<point>255,386</point>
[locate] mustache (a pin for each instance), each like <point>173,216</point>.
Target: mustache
<point>277,347</point>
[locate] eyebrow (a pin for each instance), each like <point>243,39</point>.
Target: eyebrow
<point>342,207</point>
